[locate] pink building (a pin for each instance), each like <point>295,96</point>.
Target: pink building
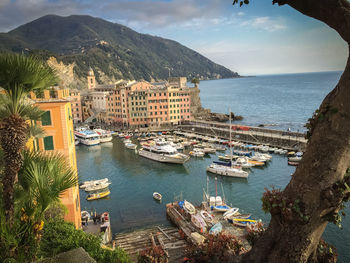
<point>158,112</point>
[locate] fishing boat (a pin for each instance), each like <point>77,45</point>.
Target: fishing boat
<point>216,229</point>
<point>206,216</point>
<point>97,187</point>
<point>199,222</point>
<point>157,196</point>
<point>105,136</point>
<point>87,137</point>
<point>93,182</point>
<point>161,151</point>
<point>95,196</point>
<point>224,169</point>
<point>189,207</point>
<point>230,212</point>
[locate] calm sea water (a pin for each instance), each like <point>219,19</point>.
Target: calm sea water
<point>134,178</point>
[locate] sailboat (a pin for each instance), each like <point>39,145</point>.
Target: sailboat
<point>225,169</point>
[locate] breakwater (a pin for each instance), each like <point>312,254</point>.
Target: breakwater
<point>255,135</point>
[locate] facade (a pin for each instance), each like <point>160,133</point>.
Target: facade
<point>76,106</point>
<point>158,108</point>
<point>91,80</point>
<point>57,122</point>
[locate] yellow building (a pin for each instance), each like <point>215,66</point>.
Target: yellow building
<point>174,105</point>
<point>57,122</point>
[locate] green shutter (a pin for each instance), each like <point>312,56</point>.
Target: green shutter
<point>46,119</point>
<point>48,143</point>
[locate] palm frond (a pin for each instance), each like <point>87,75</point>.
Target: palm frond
<point>21,74</point>
<point>36,131</point>
<point>45,177</point>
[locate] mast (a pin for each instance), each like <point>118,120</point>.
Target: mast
<point>230,139</point>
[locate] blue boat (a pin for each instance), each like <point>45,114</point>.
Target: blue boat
<point>221,208</point>
<point>216,229</point>
<point>223,163</point>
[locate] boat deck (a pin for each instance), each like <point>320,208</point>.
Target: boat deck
<point>136,241</point>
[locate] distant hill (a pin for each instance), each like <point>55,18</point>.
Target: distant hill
<point>112,50</point>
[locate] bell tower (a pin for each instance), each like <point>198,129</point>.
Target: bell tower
<point>91,80</point>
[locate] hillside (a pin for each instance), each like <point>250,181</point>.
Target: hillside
<point>112,50</point>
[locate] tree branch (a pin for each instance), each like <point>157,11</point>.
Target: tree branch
<point>335,13</point>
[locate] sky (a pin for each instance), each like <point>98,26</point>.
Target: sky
<point>256,39</point>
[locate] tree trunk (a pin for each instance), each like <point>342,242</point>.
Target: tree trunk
<point>316,191</point>
<point>13,137</point>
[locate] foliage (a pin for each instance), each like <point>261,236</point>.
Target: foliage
<point>254,231</point>
<point>152,255</point>
<point>326,253</point>
<point>217,248</point>
<point>195,81</point>
<point>59,236</point>
<point>124,54</point>
<point>42,179</point>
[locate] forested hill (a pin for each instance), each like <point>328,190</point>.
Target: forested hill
<point>112,50</point>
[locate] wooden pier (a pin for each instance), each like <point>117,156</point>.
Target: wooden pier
<point>167,237</point>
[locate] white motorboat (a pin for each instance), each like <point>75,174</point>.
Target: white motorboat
<point>295,159</point>
<point>221,208</point>
<point>130,146</point>
<point>230,212</point>
<point>93,182</point>
<point>206,216</point>
<point>161,151</point>
<point>209,150</point>
<point>197,153</point>
<point>105,136</point>
<point>87,137</point>
<point>243,162</point>
<point>97,186</point>
<point>220,148</point>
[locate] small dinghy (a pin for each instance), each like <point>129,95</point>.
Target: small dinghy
<point>216,229</point>
<point>243,222</point>
<point>230,212</point>
<point>221,208</point>
<point>157,196</point>
<point>199,222</point>
<point>206,216</point>
<point>189,208</point>
<point>91,197</point>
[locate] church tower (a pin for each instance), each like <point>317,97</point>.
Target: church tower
<point>91,80</point>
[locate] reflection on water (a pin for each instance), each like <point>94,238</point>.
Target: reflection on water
<point>134,179</point>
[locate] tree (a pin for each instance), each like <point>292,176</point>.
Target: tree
<point>195,81</point>
<point>19,75</point>
<point>320,185</point>
<point>43,178</point>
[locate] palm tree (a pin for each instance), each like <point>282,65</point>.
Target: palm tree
<point>19,75</point>
<point>42,179</point>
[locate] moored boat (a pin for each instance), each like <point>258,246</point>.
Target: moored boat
<point>221,208</point>
<point>216,229</point>
<point>206,216</point>
<point>87,137</point>
<point>199,222</point>
<point>230,212</point>
<point>93,182</point>
<point>157,196</point>
<point>189,207</point>
<point>97,187</point>
<point>96,196</point>
<point>105,136</point>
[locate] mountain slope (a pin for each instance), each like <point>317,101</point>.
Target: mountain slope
<point>112,50</point>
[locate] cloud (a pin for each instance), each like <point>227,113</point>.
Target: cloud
<point>265,23</point>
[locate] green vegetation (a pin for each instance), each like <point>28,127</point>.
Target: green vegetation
<point>59,236</point>
<point>124,54</point>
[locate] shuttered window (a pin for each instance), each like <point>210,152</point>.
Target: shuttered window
<point>46,119</point>
<point>48,143</point>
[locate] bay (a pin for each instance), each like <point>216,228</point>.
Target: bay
<point>134,178</point>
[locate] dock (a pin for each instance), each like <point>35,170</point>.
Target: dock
<point>168,238</point>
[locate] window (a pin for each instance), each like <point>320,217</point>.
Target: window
<point>46,119</point>
<point>48,143</point>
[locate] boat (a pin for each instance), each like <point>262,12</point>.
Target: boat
<point>221,208</point>
<point>130,146</point>
<point>293,163</point>
<point>87,137</point>
<point>206,216</point>
<point>196,153</point>
<point>226,170</point>
<point>209,150</point>
<point>105,136</point>
<point>220,148</point>
<point>216,229</point>
<point>230,212</point>
<point>238,215</point>
<point>157,196</point>
<point>95,196</point>
<point>295,159</point>
<point>93,182</point>
<point>76,142</point>
<point>199,222</point>
<point>96,187</point>
<point>189,207</point>
<point>243,162</point>
<point>161,151</point>
<point>242,222</point>
<point>224,158</point>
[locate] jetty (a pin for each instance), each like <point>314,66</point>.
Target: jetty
<point>248,134</point>
<point>168,238</point>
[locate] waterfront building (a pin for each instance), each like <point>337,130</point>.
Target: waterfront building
<point>137,104</point>
<point>174,105</point>
<point>57,122</point>
<point>75,100</point>
<point>158,108</point>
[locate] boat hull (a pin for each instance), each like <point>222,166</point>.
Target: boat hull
<point>163,158</point>
<point>227,172</point>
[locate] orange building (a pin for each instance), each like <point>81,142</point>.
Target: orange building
<point>57,123</point>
